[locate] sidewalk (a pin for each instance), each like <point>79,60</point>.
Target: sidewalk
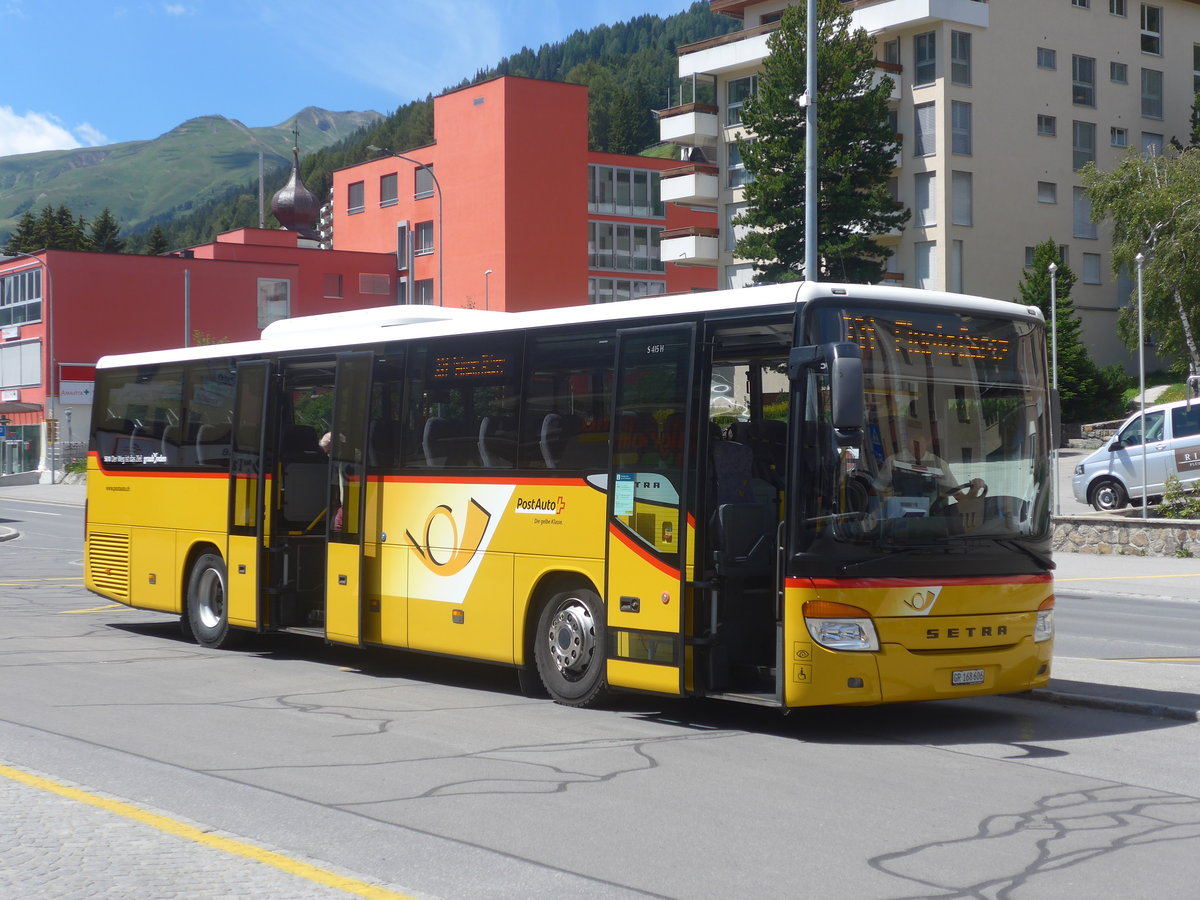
<point>1164,688</point>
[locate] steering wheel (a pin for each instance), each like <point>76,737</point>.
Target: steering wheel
<point>968,489</point>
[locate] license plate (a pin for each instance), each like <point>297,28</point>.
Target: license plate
<point>967,676</point>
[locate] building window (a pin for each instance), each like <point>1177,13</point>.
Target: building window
<point>1117,8</point>
<point>355,198</point>
<point>1118,73</point>
<point>424,239</point>
<point>960,58</point>
<point>925,211</point>
<point>925,257</point>
<point>962,188</point>
<point>625,246</point>
<point>1083,80</point>
<point>274,299</point>
<point>1152,144</point>
<point>1119,137</point>
<point>737,91</point>
<point>617,191</point>
<point>21,297</point>
<point>371,283</point>
<point>1047,125</point>
<point>422,182</point>
<point>1047,58</point>
<point>1081,206</point>
<point>1196,68</point>
<point>423,292</point>
<point>1082,4</point>
<point>891,52</point>
<point>403,248</point>
<point>925,116</point>
<point>610,290</point>
<point>1047,192</point>
<point>1091,268</point>
<point>387,190</point>
<point>1083,144</point>
<point>738,173</point>
<point>925,58</point>
<point>333,286</point>
<point>734,233</point>
<point>1152,94</point>
<point>956,267</point>
<point>960,128</point>
<point>20,364</point>
<point>1152,29</point>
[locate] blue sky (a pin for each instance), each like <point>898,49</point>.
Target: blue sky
<point>81,73</point>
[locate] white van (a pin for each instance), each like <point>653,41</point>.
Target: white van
<point>1113,474</point>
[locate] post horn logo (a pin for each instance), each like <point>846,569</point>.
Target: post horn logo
<point>460,552</point>
<point>922,600</point>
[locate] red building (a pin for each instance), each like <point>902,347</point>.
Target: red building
<point>507,209</point>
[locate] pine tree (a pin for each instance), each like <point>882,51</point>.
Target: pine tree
<point>105,234</point>
<point>156,244</point>
<point>856,150</point>
<point>24,238</point>
<point>1086,392</point>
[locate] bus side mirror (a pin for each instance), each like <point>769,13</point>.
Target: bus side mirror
<point>843,362</point>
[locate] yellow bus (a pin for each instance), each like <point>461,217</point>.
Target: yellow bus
<point>785,495</point>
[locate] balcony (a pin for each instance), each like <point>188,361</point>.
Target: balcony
<point>694,184</point>
<point>892,15</point>
<point>738,50</point>
<point>694,245</point>
<point>692,125</point>
<point>893,71</point>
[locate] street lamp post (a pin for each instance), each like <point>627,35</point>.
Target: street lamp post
<point>1053,270</point>
<point>486,288</point>
<point>441,249</point>
<point>811,260</point>
<point>48,318</point>
<point>1141,261</point>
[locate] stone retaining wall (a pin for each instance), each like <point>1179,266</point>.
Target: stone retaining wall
<point>1129,535</point>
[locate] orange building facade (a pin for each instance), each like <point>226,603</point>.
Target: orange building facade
<point>508,209</point>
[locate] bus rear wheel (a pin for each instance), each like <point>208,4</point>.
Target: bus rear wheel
<point>207,608</point>
<point>569,647</point>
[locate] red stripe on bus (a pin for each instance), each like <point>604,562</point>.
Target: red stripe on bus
<point>487,479</point>
<point>641,551</point>
<point>858,583</point>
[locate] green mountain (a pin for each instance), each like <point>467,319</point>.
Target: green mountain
<point>143,181</point>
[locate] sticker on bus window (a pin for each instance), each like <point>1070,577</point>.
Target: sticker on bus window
<point>623,494</point>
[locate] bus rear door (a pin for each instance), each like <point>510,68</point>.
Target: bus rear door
<point>648,559</point>
<point>248,525</point>
<point>348,488</point>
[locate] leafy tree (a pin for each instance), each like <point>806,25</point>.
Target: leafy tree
<point>856,149</point>
<point>1086,392</point>
<point>105,233</point>
<point>1154,205</point>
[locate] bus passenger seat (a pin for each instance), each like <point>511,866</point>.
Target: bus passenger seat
<point>299,443</point>
<point>553,439</point>
<point>497,442</point>
<point>436,441</point>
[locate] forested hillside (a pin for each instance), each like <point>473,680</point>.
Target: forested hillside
<point>629,69</point>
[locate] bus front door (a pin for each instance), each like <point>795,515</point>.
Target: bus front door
<point>348,493</point>
<point>248,524</point>
<point>649,557</point>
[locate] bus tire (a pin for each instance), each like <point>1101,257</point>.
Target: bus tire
<point>207,607</point>
<point>569,647</point>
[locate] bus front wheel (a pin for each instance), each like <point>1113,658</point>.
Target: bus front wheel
<point>569,647</point>
<point>207,610</point>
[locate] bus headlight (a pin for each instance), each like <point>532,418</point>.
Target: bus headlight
<point>839,626</point>
<point>1043,630</point>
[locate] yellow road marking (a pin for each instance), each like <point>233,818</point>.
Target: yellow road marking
<point>227,845</point>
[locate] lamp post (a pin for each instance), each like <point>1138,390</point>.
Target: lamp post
<point>811,262</point>
<point>486,288</point>
<point>48,318</point>
<point>441,248</point>
<point>1053,270</point>
<point>1141,261</point>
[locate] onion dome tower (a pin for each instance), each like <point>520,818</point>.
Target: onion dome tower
<point>293,204</point>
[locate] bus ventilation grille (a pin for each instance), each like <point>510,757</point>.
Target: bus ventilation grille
<point>108,561</point>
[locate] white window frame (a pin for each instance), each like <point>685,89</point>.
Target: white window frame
<point>925,199</point>
<point>962,202</point>
<point>960,127</point>
<point>1047,126</point>
<point>1152,31</point>
<point>1152,94</point>
<point>924,58</point>
<point>1118,137</point>
<point>1083,80</point>
<point>1047,192</point>
<point>1091,271</point>
<point>1047,58</point>
<point>1079,149</point>
<point>1118,72</point>
<point>925,138</point>
<point>960,58</point>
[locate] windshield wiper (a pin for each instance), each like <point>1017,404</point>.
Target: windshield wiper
<point>1044,561</point>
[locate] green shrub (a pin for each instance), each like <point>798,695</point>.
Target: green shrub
<point>1178,501</point>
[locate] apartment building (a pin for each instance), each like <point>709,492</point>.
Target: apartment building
<point>508,208</point>
<point>997,104</point>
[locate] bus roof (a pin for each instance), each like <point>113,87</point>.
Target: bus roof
<point>380,324</point>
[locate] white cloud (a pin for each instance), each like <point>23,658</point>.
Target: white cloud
<point>91,136</point>
<point>32,132</point>
<point>176,9</point>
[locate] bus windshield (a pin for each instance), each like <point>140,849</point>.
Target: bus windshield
<point>955,433</point>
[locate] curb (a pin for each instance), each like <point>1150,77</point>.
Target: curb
<point>1113,704</point>
<point>7,534</point>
